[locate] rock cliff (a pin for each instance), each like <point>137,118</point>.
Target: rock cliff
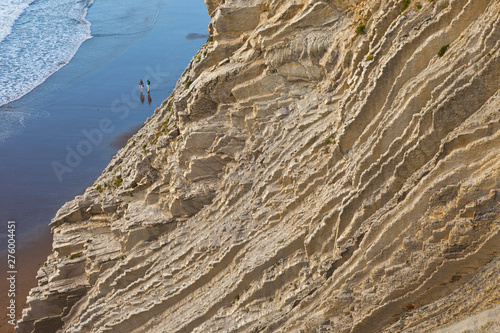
<point>320,166</point>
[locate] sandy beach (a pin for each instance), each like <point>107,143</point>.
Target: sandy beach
<point>83,114</point>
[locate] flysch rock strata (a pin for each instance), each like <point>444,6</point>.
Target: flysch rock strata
<point>307,174</point>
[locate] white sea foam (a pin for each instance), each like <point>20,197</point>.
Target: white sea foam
<point>42,39</point>
<point>10,10</point>
<point>12,122</point>
<point>37,38</point>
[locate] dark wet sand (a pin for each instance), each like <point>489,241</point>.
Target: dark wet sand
<point>121,140</point>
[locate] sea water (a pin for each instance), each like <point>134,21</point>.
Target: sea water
<point>37,38</point>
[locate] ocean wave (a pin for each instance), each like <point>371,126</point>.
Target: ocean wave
<point>10,10</point>
<point>38,39</point>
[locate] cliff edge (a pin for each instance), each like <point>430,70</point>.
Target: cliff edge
<point>320,166</point>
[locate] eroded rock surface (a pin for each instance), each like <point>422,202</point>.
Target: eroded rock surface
<point>302,177</point>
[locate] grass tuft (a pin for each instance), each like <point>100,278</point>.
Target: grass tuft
<point>118,182</point>
<point>405,4</point>
<point>442,51</point>
<point>360,29</point>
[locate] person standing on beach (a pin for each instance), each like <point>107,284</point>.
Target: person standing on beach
<point>147,84</point>
<point>141,85</point>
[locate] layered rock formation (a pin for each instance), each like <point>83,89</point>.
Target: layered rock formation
<point>318,167</point>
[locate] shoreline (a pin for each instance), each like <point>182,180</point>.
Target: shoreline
<point>74,102</point>
<point>122,139</point>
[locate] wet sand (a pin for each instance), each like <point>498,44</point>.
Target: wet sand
<point>121,140</point>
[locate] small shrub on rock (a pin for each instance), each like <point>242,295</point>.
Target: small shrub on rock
<point>118,182</point>
<point>405,4</point>
<point>443,50</point>
<point>360,29</point>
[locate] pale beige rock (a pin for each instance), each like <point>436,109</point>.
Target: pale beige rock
<point>212,5</point>
<point>310,179</point>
